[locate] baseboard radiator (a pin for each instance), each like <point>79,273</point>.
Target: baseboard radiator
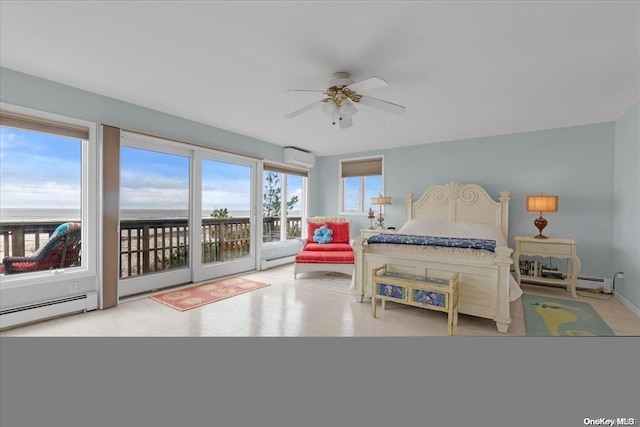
<point>270,263</point>
<point>584,282</point>
<point>47,309</point>
<point>595,283</point>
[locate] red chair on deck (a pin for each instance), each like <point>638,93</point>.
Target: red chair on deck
<point>60,251</point>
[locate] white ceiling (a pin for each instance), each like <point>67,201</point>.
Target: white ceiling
<point>462,69</point>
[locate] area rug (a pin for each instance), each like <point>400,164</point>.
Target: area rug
<point>206,293</point>
<point>546,316</point>
<point>336,282</point>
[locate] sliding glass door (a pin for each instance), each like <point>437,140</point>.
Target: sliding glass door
<point>186,214</point>
<point>155,181</point>
<point>227,226</point>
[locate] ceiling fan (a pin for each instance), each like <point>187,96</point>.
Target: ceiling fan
<point>342,94</point>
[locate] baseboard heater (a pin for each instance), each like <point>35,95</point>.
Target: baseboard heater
<point>584,282</point>
<point>270,263</point>
<point>47,309</point>
<point>594,283</point>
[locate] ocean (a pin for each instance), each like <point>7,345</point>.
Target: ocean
<point>31,215</point>
<point>34,215</point>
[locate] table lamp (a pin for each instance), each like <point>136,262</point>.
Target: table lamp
<point>381,201</point>
<point>541,204</point>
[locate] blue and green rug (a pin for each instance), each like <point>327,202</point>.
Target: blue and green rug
<point>547,316</point>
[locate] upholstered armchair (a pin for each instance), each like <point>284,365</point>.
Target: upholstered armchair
<point>334,255</point>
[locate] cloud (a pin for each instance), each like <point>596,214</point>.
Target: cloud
<point>168,198</point>
<point>7,136</point>
<point>225,199</point>
<point>151,182</point>
<point>155,191</point>
<point>43,195</point>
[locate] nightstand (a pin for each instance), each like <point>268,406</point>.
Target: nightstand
<point>552,247</point>
<point>368,232</point>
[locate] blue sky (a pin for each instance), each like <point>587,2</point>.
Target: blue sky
<point>39,170</point>
<point>372,188</point>
<point>43,171</point>
<point>160,181</point>
<point>152,180</point>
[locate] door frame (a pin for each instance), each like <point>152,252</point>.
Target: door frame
<point>194,272</point>
<point>211,271</point>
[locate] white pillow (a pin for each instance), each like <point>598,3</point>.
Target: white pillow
<point>422,227</point>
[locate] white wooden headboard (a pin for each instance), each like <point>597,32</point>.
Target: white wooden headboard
<point>455,202</point>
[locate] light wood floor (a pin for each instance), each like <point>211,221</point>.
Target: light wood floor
<point>288,309</point>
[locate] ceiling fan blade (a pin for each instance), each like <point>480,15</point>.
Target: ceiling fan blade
<point>304,90</point>
<point>346,122</point>
<point>368,84</point>
<point>303,109</point>
<point>382,105</point>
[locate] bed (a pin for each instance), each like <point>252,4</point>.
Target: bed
<point>450,213</point>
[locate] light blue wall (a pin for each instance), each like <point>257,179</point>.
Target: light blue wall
<point>44,95</point>
<point>626,208</point>
<point>575,163</point>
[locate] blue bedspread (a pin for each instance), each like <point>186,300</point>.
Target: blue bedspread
<point>449,242</point>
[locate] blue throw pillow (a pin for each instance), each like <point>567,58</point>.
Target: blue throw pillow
<point>323,234</point>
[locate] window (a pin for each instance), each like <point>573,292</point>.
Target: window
<point>154,209</point>
<point>283,203</point>
<point>48,205</point>
<point>360,180</point>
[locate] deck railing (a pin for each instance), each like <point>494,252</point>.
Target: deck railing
<point>148,246</point>
<point>24,238</point>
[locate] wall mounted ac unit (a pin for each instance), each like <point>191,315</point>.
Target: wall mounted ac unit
<point>296,157</point>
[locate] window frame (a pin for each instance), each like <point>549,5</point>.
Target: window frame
<point>85,277</point>
<point>362,188</point>
<point>284,170</point>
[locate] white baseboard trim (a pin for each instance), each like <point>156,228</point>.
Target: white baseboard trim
<point>270,263</point>
<point>628,304</point>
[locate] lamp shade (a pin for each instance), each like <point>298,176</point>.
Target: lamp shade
<point>381,200</point>
<point>329,108</point>
<point>542,204</point>
<point>347,108</point>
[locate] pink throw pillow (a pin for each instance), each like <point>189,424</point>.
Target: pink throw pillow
<point>311,229</point>
<point>340,231</point>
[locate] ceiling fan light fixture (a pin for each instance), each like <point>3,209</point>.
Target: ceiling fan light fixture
<point>342,95</point>
<point>348,108</point>
<point>330,108</point>
<point>346,123</point>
